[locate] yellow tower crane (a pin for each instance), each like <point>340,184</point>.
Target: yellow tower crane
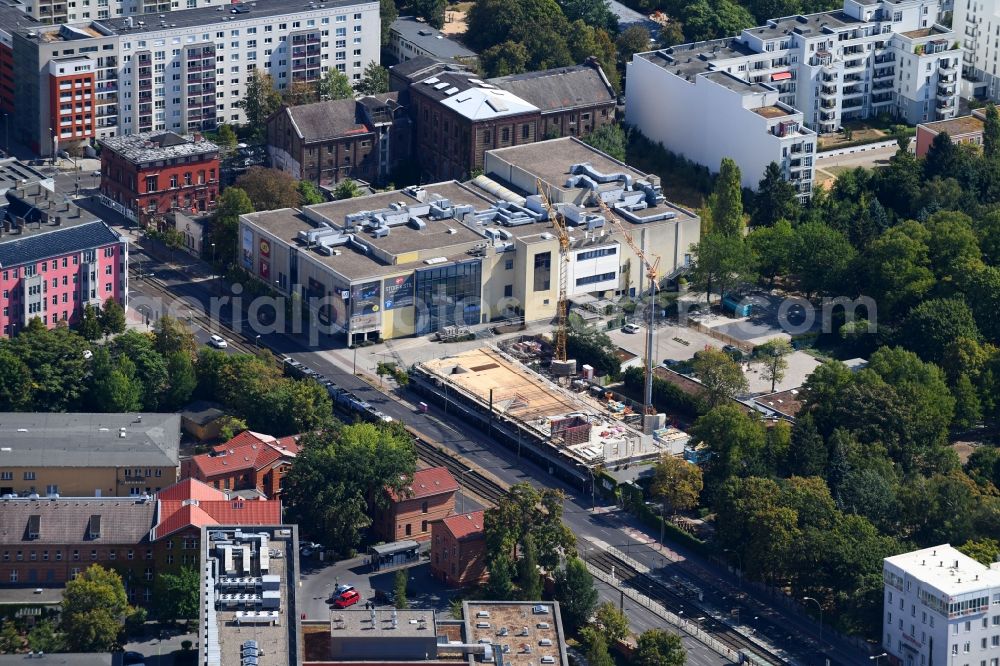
<point>559,224</point>
<point>652,274</point>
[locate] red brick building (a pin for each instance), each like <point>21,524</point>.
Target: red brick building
<point>430,498</point>
<point>249,461</point>
<point>146,175</point>
<point>458,550</point>
<point>71,100</point>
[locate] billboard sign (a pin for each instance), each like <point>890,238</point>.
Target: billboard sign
<point>397,292</point>
<point>366,304</point>
<point>247,249</point>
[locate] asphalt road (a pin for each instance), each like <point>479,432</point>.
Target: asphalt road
<point>787,629</point>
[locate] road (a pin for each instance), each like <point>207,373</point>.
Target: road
<point>789,630</point>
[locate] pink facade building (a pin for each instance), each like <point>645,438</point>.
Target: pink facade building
<point>55,258</point>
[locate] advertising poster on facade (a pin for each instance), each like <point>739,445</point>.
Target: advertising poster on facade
<point>397,292</point>
<point>265,269</point>
<point>248,249</point>
<point>366,304</point>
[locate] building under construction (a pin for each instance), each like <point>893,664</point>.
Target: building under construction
<point>577,431</point>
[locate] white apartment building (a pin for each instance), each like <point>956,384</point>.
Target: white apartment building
<point>871,57</point>
<point>941,608</point>
<point>75,11</point>
<point>737,119</point>
<point>184,70</point>
<point>977,24</point>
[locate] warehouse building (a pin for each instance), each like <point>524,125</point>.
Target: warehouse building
<point>450,254</point>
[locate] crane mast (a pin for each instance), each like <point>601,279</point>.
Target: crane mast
<point>559,224</point>
<point>652,273</point>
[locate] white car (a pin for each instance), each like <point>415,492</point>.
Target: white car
<point>630,328</point>
<point>218,342</point>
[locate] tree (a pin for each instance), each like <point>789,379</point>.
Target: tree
<point>524,512</point>
<point>991,133</point>
<point>432,10</point>
<point>985,551</point>
<point>43,638</point>
<point>772,356</point>
<point>807,455</point>
<point>677,483</point>
<point>16,389</point>
<point>505,59</point>
<point>612,622</point>
<point>941,157</point>
<point>150,365</point>
<point>538,26</point>
<point>260,100</point>
<point>593,347</point>
<point>310,194</point>
<point>726,202</point>
<point>182,380</point>
<point>90,324</point>
<point>388,13</point>
<point>177,595</point>
<point>299,93</point>
<point>721,376</point>
<point>269,189</point>
<point>399,583</point>
<point>346,189</point>
<point>114,387</point>
<point>712,19</point>
<point>374,80</point>
<point>776,198</point>
<point>773,248</point>
<point>594,13</point>
<point>528,578</point>
<point>609,139</point>
<point>597,647</point>
<point>56,366</point>
<point>576,594</point>
<point>112,317</point>
<point>657,647</point>
<point>895,269</point>
<point>233,202</point>
<point>225,137</point>
<point>633,39</point>
<point>500,585</point>
<point>339,473</point>
<point>737,442</point>
<point>821,257</point>
<point>10,638</point>
<point>94,608</point>
<point>173,336</point>
<point>721,264</point>
<point>335,85</point>
<point>933,324</point>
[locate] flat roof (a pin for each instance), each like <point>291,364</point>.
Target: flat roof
<point>89,440</point>
<point>357,623</point>
<point>736,84</point>
<point>14,173</point>
<point>956,126</point>
<point>771,111</point>
<point>946,569</point>
<point>430,39</point>
<point>534,629</point>
<point>147,147</point>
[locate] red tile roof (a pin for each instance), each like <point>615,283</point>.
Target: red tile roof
<point>247,450</point>
<point>191,489</point>
<point>176,515</point>
<point>429,482</point>
<point>465,525</point>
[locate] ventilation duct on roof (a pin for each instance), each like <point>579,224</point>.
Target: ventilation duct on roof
<point>497,190</point>
<point>586,169</point>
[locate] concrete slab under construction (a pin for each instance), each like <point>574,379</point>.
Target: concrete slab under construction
<point>579,427</point>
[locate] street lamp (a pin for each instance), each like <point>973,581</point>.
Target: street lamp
<point>256,342</point>
<point>876,657</point>
<point>820,607</point>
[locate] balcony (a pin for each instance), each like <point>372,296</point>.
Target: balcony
<point>885,98</point>
<point>945,92</point>
<point>948,78</point>
<point>827,115</point>
<point>853,91</point>
<point>947,67</point>
<point>828,91</point>
<point>854,64</point>
<point>884,73</point>
<point>944,105</point>
<point>852,104</point>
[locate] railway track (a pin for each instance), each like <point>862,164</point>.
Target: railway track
<point>473,480</point>
<point>678,604</point>
<point>195,314</point>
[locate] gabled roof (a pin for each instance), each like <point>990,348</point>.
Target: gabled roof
<point>561,88</point>
<point>191,489</point>
<point>465,525</point>
<point>326,120</point>
<point>421,67</point>
<point>247,450</point>
<point>178,515</point>
<point>68,520</point>
<point>428,483</point>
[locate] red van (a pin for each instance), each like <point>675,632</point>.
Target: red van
<point>346,599</point>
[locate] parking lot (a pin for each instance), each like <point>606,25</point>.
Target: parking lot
<point>320,578</point>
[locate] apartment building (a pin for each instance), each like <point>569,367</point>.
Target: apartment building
<point>149,174</point>
<point>418,260</point>
<point>940,607</point>
<point>56,259</point>
<point>458,550</point>
<point>249,461</point>
<point>88,455</point>
<point>871,57</point>
<point>11,18</point>
<point>428,499</point>
<point>183,71</point>
<point>329,141</point>
<point>977,25</point>
<point>963,129</point>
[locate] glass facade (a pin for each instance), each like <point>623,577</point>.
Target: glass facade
<point>448,296</point>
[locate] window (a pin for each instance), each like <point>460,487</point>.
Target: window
<point>525,131</point>
<point>508,290</point>
<point>542,271</point>
<point>29,476</point>
<point>423,507</point>
<point>409,529</point>
<point>423,526</point>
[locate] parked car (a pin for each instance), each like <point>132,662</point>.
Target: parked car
<point>133,659</point>
<point>630,328</point>
<point>348,598</point>
<point>733,352</point>
<point>218,342</point>
<point>671,362</point>
<point>343,587</point>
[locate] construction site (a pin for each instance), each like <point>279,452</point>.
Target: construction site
<point>581,430</point>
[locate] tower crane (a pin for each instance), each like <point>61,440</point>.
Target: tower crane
<point>559,224</point>
<point>652,273</point>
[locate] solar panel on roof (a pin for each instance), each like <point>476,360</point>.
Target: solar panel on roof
<point>439,86</point>
<point>497,105</point>
<point>451,91</point>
